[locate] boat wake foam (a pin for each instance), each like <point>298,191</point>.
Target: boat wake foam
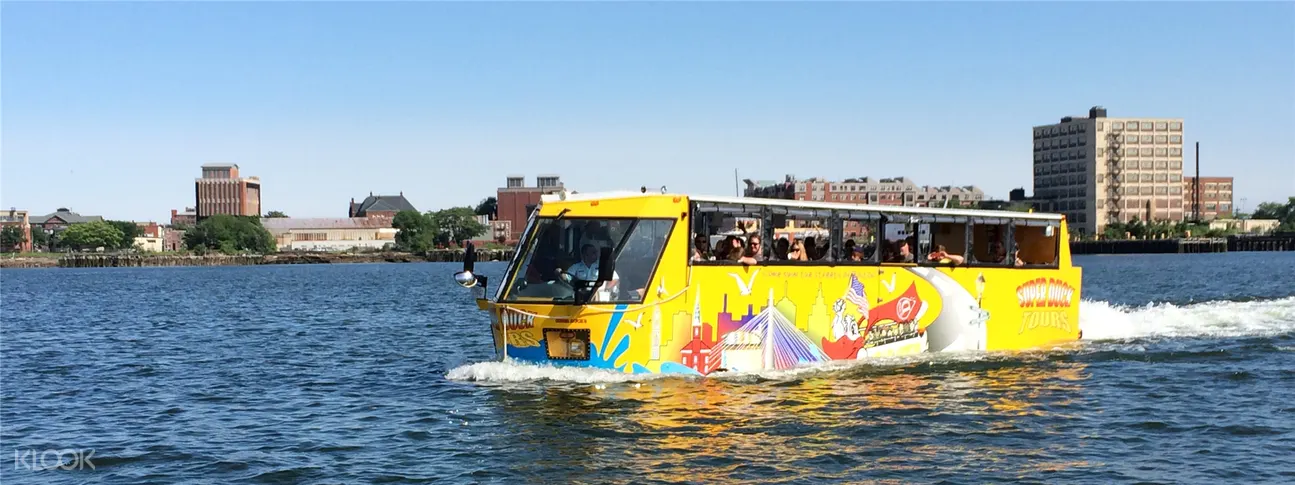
<point>1100,321</point>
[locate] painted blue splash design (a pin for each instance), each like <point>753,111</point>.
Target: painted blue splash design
<point>601,358</point>
<point>677,368</point>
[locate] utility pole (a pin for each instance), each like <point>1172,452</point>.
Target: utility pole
<point>737,190</point>
<point>1196,187</point>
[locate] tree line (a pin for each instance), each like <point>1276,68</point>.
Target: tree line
<point>420,232</point>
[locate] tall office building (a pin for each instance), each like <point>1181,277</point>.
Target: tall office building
<point>222,191</point>
<point>1098,170</point>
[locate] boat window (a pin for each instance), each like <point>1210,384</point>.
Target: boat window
<point>719,228</point>
<point>1036,242</point>
<point>800,235</point>
<point>989,241</point>
<point>901,239</point>
<point>561,252</point>
<point>859,230</point>
<point>948,236</point>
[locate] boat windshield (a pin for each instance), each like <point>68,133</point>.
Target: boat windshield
<point>560,251</point>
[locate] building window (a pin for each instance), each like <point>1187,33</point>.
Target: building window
<point>1162,139</point>
<point>1146,178</point>
<point>1176,178</point>
<point>1175,126</point>
<point>1146,126</point>
<point>1133,126</point>
<point>1160,152</point>
<point>1162,178</point>
<point>1130,138</point>
<point>1146,138</point>
<point>1177,152</point>
<point>1146,151</point>
<point>1175,139</point>
<point>1161,164</point>
<point>1117,125</point>
<point>1175,190</point>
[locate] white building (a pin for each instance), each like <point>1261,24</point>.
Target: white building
<point>330,234</point>
<point>1098,170</point>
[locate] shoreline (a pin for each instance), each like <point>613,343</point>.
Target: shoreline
<point>94,260</point>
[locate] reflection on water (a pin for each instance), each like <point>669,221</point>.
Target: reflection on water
<point>883,421</point>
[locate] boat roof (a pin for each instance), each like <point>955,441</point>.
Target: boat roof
<point>888,209</point>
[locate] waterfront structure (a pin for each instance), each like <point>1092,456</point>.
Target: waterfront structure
<point>1214,194</point>
<point>221,190</point>
<point>187,218</point>
<point>59,220</point>
<point>1246,226</point>
<point>896,191</point>
<point>497,230</point>
<point>330,234</point>
<point>380,206</point>
<point>515,201</point>
<point>1098,170</point>
<point>18,219</point>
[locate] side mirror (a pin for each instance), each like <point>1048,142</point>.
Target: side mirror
<point>606,266</point>
<point>469,257</point>
<point>466,278</point>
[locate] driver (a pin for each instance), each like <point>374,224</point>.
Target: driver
<point>587,268</point>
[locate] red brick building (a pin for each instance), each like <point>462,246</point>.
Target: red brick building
<point>380,207</point>
<point>515,201</point>
<point>222,191</point>
<point>1214,194</point>
<point>187,218</point>
<point>18,219</point>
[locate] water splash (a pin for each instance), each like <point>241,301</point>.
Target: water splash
<point>1101,320</point>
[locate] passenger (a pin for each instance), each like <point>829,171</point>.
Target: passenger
<point>701,249</point>
<point>736,249</point>
<point>1017,256</point>
<point>849,248</point>
<point>797,252</point>
<point>856,254</point>
<point>942,256</point>
<point>754,251</point>
<point>811,248</point>
<point>996,252</point>
<point>903,252</point>
<point>780,249</point>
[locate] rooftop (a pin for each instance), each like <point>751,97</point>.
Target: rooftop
<point>283,224</point>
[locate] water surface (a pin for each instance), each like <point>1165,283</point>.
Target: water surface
<point>382,373</point>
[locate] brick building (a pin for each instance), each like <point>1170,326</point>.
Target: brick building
<point>380,207</point>
<point>1214,195</point>
<point>897,191</point>
<point>222,191</point>
<point>187,218</point>
<point>20,220</point>
<point>59,220</point>
<point>515,201</point>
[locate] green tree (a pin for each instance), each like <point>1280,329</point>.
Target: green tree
<point>272,214</point>
<point>415,231</point>
<point>1284,213</point>
<point>488,207</point>
<point>454,225</point>
<point>129,231</point>
<point>229,234</point>
<point>39,239</point>
<point>91,235</point>
<point>11,238</point>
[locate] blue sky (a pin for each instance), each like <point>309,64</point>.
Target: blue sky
<point>110,108</point>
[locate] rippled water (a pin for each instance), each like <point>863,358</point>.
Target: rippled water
<point>381,374</point>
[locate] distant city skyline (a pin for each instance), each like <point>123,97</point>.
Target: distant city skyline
<point>111,108</point>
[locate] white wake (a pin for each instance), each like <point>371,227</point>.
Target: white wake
<point>1100,320</point>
